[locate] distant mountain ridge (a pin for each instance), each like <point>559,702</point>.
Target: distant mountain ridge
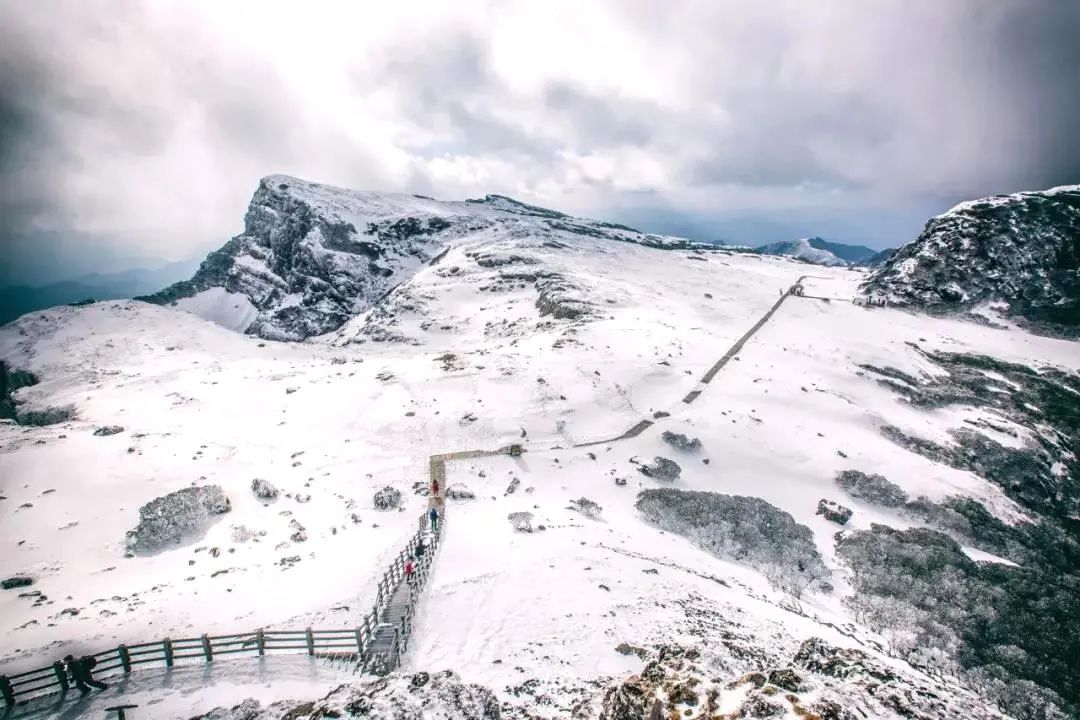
<point>818,251</point>
<point>1021,251</point>
<point>18,300</point>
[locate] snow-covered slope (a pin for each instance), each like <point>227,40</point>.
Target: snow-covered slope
<point>552,338</point>
<point>1022,250</point>
<point>817,251</point>
<point>313,256</point>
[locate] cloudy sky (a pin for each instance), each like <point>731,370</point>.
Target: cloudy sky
<point>137,131</point>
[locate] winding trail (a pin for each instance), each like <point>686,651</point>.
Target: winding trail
<point>379,648</point>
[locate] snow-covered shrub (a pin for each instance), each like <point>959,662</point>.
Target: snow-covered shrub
<point>458,491</point>
<point>387,499</point>
<point>746,529</point>
<point>263,489</point>
<point>587,507</point>
<point>169,519</point>
<point>874,489</point>
<point>521,521</point>
<point>242,533</point>
<point>937,606</point>
<point>107,430</point>
<point>680,441</point>
<point>661,469</point>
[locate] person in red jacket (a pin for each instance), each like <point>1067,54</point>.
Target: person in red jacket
<point>435,487</point>
<point>410,571</point>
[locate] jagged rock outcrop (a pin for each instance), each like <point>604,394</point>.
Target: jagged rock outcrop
<point>312,257</point>
<point>171,518</point>
<point>1022,250</point>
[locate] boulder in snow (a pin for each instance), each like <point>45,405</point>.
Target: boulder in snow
<point>263,489</point>
<point>171,518</point>
<point>458,491</point>
<point>521,521</point>
<point>17,581</point>
<point>834,511</point>
<point>387,499</point>
<point>45,416</point>
<point>875,489</point>
<point>106,430</point>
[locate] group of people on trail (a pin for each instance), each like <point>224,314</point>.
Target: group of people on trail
<point>81,672</point>
<point>420,549</point>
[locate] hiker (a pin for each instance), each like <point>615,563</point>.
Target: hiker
<point>410,571</point>
<point>81,671</point>
<point>435,487</point>
<point>434,517</point>
<point>421,548</point>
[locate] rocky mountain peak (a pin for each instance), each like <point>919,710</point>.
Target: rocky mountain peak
<point>1020,250</point>
<point>313,256</point>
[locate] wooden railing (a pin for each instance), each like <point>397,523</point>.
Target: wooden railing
<point>354,643</point>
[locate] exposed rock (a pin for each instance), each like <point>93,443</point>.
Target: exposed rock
<point>458,491</point>
<point>11,380</point>
<point>263,489</point>
<point>388,498</point>
<point>833,511</point>
<point>661,469</point>
<point>521,521</point>
<point>106,430</point>
<point>759,705</point>
<point>44,416</point>
<point>787,679</point>
<point>1020,250</point>
<point>169,519</point>
<point>16,582</point>
<point>680,441</point>
<point>513,486</point>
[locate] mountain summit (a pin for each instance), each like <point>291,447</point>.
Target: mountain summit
<point>1022,250</point>
<point>312,256</point>
<point>818,251</point>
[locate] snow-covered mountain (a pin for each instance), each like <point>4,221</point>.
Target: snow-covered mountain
<point>817,251</point>
<point>857,513</point>
<point>313,256</point>
<point>1020,250</point>
<point>878,259</point>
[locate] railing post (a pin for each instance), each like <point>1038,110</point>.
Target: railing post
<point>61,675</point>
<point>166,645</point>
<point>125,658</point>
<point>310,641</point>
<point>7,691</point>
<point>207,650</point>
<point>359,642</point>
<point>260,640</point>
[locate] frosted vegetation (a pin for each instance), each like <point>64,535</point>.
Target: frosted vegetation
<point>746,529</point>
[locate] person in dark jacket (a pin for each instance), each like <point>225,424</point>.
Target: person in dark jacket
<point>82,673</point>
<point>434,517</point>
<point>421,548</point>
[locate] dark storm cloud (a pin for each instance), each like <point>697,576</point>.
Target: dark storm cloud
<point>447,86</point>
<point>140,129</point>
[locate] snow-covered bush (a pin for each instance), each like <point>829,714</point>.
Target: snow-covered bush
<point>521,521</point>
<point>387,499</point>
<point>874,489</point>
<point>661,469</point>
<point>680,441</point>
<point>587,507</point>
<point>263,489</point>
<point>169,519</point>
<point>746,529</point>
<point>107,430</point>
